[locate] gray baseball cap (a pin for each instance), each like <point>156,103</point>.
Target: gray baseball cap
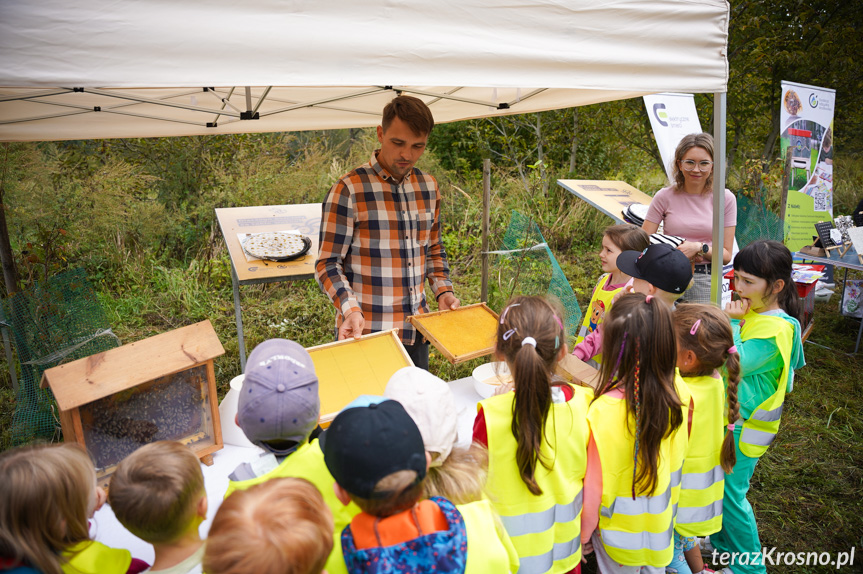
<point>279,401</point>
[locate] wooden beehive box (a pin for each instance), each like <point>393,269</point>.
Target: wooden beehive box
<point>161,388</point>
<point>461,334</point>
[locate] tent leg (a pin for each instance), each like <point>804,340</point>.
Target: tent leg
<point>719,115</point>
<point>486,200</point>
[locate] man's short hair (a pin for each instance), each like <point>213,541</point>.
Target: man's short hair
<point>155,491</point>
<point>281,526</point>
<point>412,111</point>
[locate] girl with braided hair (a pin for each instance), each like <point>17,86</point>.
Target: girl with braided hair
<point>637,440</point>
<point>706,355</point>
<point>536,436</point>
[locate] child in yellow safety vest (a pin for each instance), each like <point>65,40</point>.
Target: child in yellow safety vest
<point>537,440</point>
<point>705,351</point>
<point>765,323</point>
<point>637,440</point>
<point>49,494</point>
<point>615,240</point>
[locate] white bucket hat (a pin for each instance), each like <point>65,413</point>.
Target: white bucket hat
<point>431,404</point>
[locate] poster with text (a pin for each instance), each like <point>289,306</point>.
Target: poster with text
<point>806,146</point>
<point>672,116</point>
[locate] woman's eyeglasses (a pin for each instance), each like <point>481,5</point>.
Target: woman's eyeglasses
<point>689,165</point>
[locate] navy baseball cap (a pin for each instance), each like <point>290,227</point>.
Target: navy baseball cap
<point>661,265</point>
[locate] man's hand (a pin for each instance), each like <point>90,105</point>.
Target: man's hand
<point>352,326</point>
<point>737,309</point>
<point>448,301</point>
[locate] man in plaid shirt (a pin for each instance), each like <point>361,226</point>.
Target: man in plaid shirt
<point>380,235</point>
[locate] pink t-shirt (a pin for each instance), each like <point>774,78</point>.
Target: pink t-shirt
<point>687,215</point>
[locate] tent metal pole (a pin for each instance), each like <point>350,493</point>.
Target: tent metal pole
<point>486,202</point>
<point>158,102</point>
<point>331,99</point>
<point>719,116</point>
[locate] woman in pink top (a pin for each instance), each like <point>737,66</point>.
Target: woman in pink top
<point>686,209</point>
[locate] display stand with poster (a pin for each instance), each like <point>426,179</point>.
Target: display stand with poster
<point>806,145</point>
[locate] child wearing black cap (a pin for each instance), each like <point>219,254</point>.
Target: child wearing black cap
<point>660,271</point>
<point>377,457</point>
<point>277,410</point>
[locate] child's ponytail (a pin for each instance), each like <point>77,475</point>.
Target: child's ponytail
<point>728,454</point>
<point>530,335</point>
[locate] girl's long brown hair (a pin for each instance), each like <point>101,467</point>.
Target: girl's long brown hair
<point>639,354</point>
<point>532,369</point>
<point>711,344</point>
<point>44,503</point>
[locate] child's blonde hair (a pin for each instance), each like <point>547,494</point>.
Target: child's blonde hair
<point>155,491</point>
<point>628,237</point>
<point>462,476</point>
<point>393,493</point>
<point>281,526</point>
<point>45,501</point>
<point>712,343</point>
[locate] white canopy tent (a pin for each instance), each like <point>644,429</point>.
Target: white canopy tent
<point>147,68</point>
<point>143,68</point>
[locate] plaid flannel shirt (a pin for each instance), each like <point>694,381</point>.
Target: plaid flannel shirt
<point>380,240</point>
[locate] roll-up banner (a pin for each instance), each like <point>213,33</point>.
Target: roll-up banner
<point>806,145</point>
<point>672,116</point>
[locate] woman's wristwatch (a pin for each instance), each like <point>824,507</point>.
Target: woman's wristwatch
<point>705,247</point>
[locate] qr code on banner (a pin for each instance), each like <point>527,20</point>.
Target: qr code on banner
<point>820,200</point>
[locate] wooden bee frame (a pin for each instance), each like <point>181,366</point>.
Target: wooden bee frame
<point>352,367</point>
<point>460,334</point>
<point>161,388</point>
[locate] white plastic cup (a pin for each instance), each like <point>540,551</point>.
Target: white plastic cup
<point>231,433</point>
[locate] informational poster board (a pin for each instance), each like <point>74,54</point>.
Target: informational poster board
<point>806,146</point>
<point>672,116</point>
<point>610,197</point>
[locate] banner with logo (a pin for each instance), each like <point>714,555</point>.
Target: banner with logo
<point>672,116</point>
<point>806,146</point>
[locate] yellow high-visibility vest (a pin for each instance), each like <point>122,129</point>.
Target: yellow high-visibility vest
<point>761,427</point>
<point>699,512</point>
<point>308,462</point>
<point>91,557</point>
<point>545,529</point>
<point>636,531</point>
<point>489,548</point>
<point>600,303</point>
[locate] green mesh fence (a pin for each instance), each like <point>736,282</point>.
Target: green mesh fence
<point>525,265</point>
<point>55,322</point>
<point>755,221</point>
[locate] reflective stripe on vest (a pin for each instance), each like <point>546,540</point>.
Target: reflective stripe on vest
<point>545,529</point>
<point>657,504</point>
<point>768,416</point>
<point>535,522</point>
<point>544,562</point>
<point>703,480</point>
<point>654,541</point>
<point>761,427</point>
<point>700,514</point>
